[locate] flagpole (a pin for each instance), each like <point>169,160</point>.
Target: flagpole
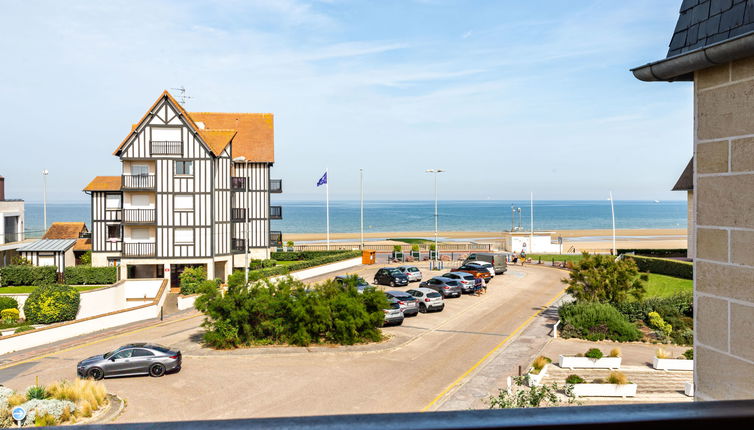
<point>327,207</point>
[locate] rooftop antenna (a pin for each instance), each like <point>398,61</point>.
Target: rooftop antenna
<point>182,97</point>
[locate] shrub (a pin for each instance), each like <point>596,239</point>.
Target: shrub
<point>521,396</point>
<point>10,316</point>
<point>661,353</point>
<point>27,275</point>
<point>191,278</point>
<point>8,303</point>
<point>327,257</point>
<point>23,328</point>
<point>88,275</point>
<point>677,305</point>
<point>415,247</point>
<point>600,278</point>
<point>55,408</point>
<point>615,352</point>
<point>689,354</point>
<point>45,420</point>
<point>36,392</point>
<point>261,264</point>
<point>574,379</point>
<point>660,253</point>
<point>306,255</point>
<point>79,391</point>
<point>596,321</point>
<point>616,377</point>
<point>52,303</point>
<point>598,381</point>
<point>594,353</point>
<point>663,266</point>
<point>86,258</point>
<point>541,361</point>
<point>656,321</point>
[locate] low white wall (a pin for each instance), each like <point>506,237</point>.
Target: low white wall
<point>321,270</point>
<point>140,288</point>
<point>186,302</point>
<point>672,364</point>
<point>102,301</point>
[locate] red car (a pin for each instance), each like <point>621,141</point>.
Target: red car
<point>476,270</point>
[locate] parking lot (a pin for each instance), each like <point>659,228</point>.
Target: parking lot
<point>422,360</point>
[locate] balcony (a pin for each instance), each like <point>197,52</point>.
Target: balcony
<point>138,182</point>
<point>276,212</point>
<point>166,147</point>
<point>237,183</point>
<point>238,214</point>
<point>139,249</point>
<point>276,238</point>
<point>139,216</point>
<point>276,186</point>
<point>237,245</point>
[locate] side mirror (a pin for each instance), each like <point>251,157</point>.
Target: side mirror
<point>112,358</point>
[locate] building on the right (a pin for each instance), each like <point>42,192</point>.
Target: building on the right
<point>713,46</point>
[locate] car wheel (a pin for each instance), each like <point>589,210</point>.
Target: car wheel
<point>392,283</point>
<point>441,308</point>
<point>95,373</point>
<point>422,308</point>
<point>157,370</point>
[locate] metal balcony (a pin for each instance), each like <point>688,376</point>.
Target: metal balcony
<point>276,186</point>
<point>139,249</point>
<point>238,214</point>
<point>138,182</point>
<point>166,147</point>
<point>276,212</point>
<point>139,216</point>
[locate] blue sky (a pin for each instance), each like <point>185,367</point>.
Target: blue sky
<point>508,96</point>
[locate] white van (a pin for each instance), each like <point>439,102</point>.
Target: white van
<point>497,259</point>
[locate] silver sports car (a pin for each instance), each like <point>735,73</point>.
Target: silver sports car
<point>132,359</point>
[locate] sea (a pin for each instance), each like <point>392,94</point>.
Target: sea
<point>453,215</point>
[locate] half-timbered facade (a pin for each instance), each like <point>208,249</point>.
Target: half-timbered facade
<point>194,190</point>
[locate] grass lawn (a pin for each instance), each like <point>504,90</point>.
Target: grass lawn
<point>24,289</point>
<point>663,286</point>
<point>412,240</point>
<point>547,258</point>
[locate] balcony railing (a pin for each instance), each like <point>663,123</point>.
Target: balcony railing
<point>276,212</point>
<point>139,249</point>
<point>139,216</point>
<point>138,182</point>
<point>238,183</point>
<point>166,147</point>
<point>113,214</point>
<point>276,185</point>
<point>276,238</point>
<point>237,245</point>
<point>238,214</point>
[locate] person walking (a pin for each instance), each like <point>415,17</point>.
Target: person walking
<point>478,281</point>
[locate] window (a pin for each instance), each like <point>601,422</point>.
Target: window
<point>184,235</point>
<point>126,353</point>
<point>139,170</point>
<point>140,200</point>
<point>112,201</point>
<point>140,234</point>
<point>184,203</point>
<point>184,167</point>
<point>142,353</point>
<point>46,260</point>
<point>113,233</point>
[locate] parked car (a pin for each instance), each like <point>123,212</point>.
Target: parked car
<point>445,286</point>
<point>409,304</point>
<point>475,270</point>
<point>393,315</point>
<point>390,276</point>
<point>132,359</point>
<point>490,268</point>
<point>361,284</point>
<point>466,280</point>
<point>497,259</point>
<point>412,273</point>
<point>429,300</point>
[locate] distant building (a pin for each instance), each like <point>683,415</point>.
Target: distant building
<point>191,184</point>
<point>686,183</point>
<point>11,225</point>
<point>539,242</point>
<point>71,230</point>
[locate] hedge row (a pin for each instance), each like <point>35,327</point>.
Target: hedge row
<point>27,275</point>
<point>87,275</point>
<point>659,253</point>
<point>663,266</point>
<point>305,255</point>
<point>305,264</point>
<point>50,304</point>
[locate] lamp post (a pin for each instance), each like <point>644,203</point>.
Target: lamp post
<point>612,210</point>
<point>437,248</point>
<point>44,199</point>
<point>361,208</point>
<point>242,159</point>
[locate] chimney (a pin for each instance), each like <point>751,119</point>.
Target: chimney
<point>2,188</point>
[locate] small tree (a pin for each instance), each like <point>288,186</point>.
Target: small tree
<point>86,258</point>
<point>600,278</point>
<point>521,396</point>
<point>191,278</point>
<point>289,245</point>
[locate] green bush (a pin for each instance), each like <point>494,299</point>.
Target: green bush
<point>23,328</point>
<point>261,264</point>
<point>290,312</point>
<point>663,266</point>
<point>600,278</point>
<point>36,392</point>
<point>574,379</point>
<point>10,316</point>
<point>49,304</point>
<point>656,321</point>
<point>659,253</point>
<point>304,255</point>
<point>86,258</point>
<point>683,337</point>
<point>689,354</point>
<point>191,278</point>
<point>256,275</point>
<point>88,275</point>
<point>596,321</point>
<point>27,275</point>
<point>8,302</point>
<point>594,353</point>
<point>681,304</point>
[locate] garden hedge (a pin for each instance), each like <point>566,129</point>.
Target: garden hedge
<point>663,266</point>
<point>8,302</point>
<point>52,303</point>
<point>306,255</point>
<point>596,321</point>
<point>659,253</point>
<point>27,275</point>
<point>87,275</point>
<point>330,257</point>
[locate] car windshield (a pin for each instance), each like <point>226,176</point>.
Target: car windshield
<point>469,277</point>
<point>110,354</point>
<point>412,269</point>
<point>433,294</point>
<point>452,283</point>
<point>394,272</point>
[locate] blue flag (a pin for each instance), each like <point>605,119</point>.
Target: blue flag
<point>322,180</point>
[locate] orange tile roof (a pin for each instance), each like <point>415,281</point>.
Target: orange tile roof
<point>217,140</point>
<point>255,139</point>
<point>104,183</point>
<point>83,245</point>
<point>65,230</point>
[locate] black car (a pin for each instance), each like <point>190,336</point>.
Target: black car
<point>132,359</point>
<point>390,276</point>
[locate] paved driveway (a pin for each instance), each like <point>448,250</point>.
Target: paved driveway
<point>420,362</point>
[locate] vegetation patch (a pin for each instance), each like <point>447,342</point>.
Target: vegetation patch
<point>665,286</point>
<point>299,261</point>
<point>522,396</point>
<point>411,240</point>
<point>663,266</point>
<point>87,275</point>
<point>63,402</point>
<point>23,274</point>
<point>51,304</point>
<point>596,321</point>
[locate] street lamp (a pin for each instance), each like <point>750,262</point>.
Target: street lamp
<point>242,159</point>
<point>437,248</point>
<point>44,200</point>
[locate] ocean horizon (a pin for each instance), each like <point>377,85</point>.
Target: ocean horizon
<point>454,215</point>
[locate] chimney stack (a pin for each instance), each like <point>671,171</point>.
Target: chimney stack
<point>2,188</point>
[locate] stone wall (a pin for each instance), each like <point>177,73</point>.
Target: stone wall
<point>724,200</point>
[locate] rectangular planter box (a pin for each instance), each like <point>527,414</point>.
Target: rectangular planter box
<point>672,364</point>
<point>688,389</point>
<point>570,362</point>
<point>604,390</point>
<point>536,379</point>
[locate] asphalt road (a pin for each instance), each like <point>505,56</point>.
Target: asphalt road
<point>420,362</point>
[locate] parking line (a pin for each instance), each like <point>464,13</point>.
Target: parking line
<point>93,342</point>
<point>486,356</point>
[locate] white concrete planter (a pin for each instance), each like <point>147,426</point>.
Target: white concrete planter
<point>186,302</point>
<point>672,364</point>
<point>604,390</point>
<point>536,379</point>
<point>570,362</point>
<point>688,389</point>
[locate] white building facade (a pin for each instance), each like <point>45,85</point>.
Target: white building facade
<point>194,190</point>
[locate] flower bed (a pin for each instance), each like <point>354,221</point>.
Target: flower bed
<point>63,402</point>
<point>535,379</point>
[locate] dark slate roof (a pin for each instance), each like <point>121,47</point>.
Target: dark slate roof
<point>704,22</point>
<point>686,181</point>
